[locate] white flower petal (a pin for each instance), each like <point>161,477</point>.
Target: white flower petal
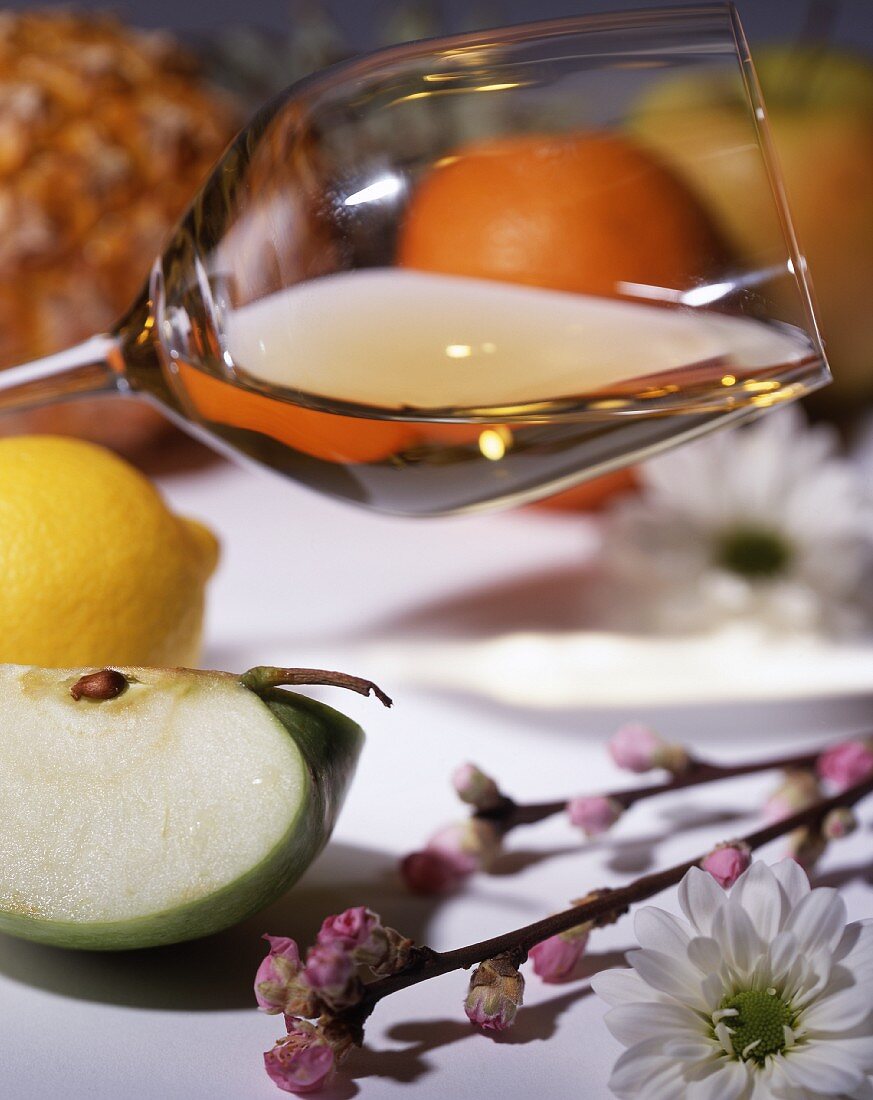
<point>759,893</point>
<point>661,931</point>
<point>781,956</point>
<point>760,1082</point>
<point>706,954</point>
<point>818,920</point>
<point>639,1066</point>
<point>855,949</point>
<point>793,880</point>
<point>666,1085</point>
<point>780,1085</point>
<point>728,1080</point>
<point>735,931</point>
<point>864,1091</point>
<point>622,987</point>
<point>669,975</point>
<point>712,990</point>
<point>838,1012</point>
<point>858,1050</point>
<point>821,1069</point>
<point>635,1023</point>
<point>689,1050</point>
<point>701,898</point>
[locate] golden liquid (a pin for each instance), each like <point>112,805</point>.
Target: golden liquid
<point>425,394</point>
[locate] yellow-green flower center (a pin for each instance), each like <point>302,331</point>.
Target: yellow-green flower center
<point>753,552</point>
<point>758,1028</point>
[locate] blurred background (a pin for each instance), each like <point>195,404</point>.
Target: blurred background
<point>105,135</point>
<point>365,23</point>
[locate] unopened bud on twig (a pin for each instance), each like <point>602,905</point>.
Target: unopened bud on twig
<point>496,991</point>
<point>797,790</point>
<point>846,764</point>
<point>476,788</point>
<point>594,814</point>
<point>726,862</point>
<point>839,823</point>
<point>806,847</point>
<point>637,748</point>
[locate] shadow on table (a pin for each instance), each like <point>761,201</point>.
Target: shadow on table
<point>535,1023</point>
<point>216,973</point>
<point>625,855</point>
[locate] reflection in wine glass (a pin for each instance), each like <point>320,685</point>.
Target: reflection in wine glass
<point>452,273</point>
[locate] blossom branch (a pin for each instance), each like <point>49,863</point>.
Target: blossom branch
<point>424,963</point>
<point>508,814</point>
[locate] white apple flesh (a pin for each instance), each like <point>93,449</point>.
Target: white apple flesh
<point>173,810</point>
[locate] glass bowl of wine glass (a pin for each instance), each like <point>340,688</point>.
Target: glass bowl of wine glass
<point>454,273</point>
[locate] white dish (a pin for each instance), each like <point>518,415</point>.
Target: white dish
<point>606,670</point>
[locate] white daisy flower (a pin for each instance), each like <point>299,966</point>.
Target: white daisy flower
<point>765,522</point>
<point>764,992</point>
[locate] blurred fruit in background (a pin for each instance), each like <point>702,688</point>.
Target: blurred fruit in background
<point>105,135</point>
<point>820,110</point>
<point>585,213</point>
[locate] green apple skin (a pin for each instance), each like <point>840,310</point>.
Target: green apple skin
<point>820,111</point>
<point>329,744</point>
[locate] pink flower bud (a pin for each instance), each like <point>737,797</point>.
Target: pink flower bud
<point>330,970</point>
<point>798,790</point>
<point>634,746</point>
<point>473,844</point>
<point>555,959</point>
<point>430,873</point>
<point>594,814</point>
<point>846,764</point>
<point>496,991</point>
<point>726,862</point>
<point>839,823</point>
<point>358,931</point>
<point>276,974</point>
<point>476,788</point>
<point>301,1061</point>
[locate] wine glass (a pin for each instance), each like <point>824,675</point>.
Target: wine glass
<point>323,311</point>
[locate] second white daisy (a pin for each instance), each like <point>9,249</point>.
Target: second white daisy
<point>765,522</point>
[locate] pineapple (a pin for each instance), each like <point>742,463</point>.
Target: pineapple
<point>105,135</point>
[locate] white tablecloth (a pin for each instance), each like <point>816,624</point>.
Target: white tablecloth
<point>301,579</point>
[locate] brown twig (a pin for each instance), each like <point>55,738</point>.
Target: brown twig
<point>509,814</point>
<point>426,963</point>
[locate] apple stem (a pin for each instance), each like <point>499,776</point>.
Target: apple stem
<point>264,677</point>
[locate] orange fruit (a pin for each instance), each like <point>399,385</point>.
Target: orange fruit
<point>593,495</point>
<point>334,438</point>
<point>588,213</point>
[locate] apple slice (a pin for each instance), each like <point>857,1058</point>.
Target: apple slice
<point>148,806</point>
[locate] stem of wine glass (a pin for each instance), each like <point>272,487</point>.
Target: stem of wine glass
<point>88,369</point>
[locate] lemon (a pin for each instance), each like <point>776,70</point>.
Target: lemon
<point>95,568</point>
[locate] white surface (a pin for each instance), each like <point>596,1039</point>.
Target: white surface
<point>299,577</point>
